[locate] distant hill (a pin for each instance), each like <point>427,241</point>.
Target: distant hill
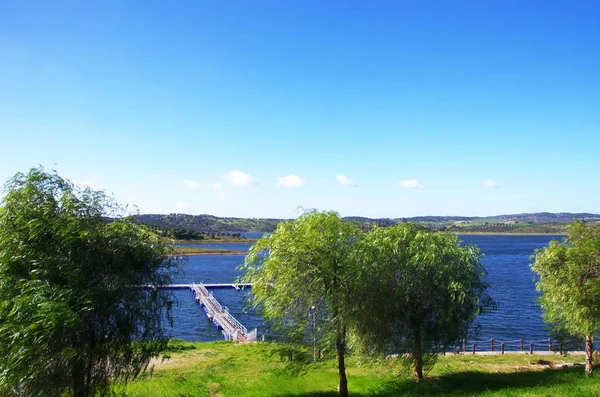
<point>541,222</point>
<point>208,223</point>
<point>538,217</point>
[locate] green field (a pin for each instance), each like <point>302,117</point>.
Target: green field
<point>206,251</point>
<point>230,369</point>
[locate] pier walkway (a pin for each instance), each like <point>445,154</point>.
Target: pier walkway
<point>236,286</point>
<point>230,327</point>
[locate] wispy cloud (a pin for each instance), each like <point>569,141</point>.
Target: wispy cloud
<point>411,184</point>
<point>291,180</point>
<point>234,178</point>
<point>345,181</point>
<point>490,184</point>
<point>191,184</point>
<point>239,178</point>
<point>92,183</point>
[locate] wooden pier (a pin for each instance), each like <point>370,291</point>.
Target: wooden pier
<point>231,328</point>
<point>236,286</point>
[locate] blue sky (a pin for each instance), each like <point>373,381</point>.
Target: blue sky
<point>253,108</point>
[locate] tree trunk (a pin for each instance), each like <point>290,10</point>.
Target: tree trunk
<point>340,343</point>
<point>78,374</point>
<point>418,355</point>
<point>589,349</point>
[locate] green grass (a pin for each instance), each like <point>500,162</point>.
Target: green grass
<point>230,369</point>
<point>207,251</point>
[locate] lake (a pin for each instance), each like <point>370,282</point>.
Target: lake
<point>506,258</point>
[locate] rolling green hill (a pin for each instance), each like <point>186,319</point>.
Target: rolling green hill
<point>530,223</point>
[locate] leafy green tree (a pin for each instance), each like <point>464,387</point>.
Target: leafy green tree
<point>428,288</point>
<point>73,316</point>
<point>301,275</point>
<point>569,280</point>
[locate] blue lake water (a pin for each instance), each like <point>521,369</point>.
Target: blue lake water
<point>512,286</point>
<point>506,258</point>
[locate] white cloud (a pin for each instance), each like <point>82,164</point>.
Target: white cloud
<point>239,178</point>
<point>94,183</point>
<point>345,181</point>
<point>490,184</point>
<point>191,184</point>
<point>291,180</point>
<point>91,185</point>
<point>411,184</point>
<point>218,186</point>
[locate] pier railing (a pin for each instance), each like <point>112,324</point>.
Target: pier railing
<point>209,299</point>
<point>252,335</point>
<point>232,328</point>
<point>237,325</point>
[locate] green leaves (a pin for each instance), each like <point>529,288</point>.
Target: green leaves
<point>302,276</point>
<point>569,280</point>
<point>392,288</point>
<point>428,286</point>
<point>70,306</point>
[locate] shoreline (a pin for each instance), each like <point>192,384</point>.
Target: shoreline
<point>206,251</point>
<point>217,251</point>
<point>508,234</point>
<point>212,253</point>
<point>219,241</point>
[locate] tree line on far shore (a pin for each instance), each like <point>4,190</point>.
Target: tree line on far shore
<point>188,234</point>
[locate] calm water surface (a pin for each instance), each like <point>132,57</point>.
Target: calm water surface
<point>512,286</point>
<point>506,259</point>
<point>189,321</point>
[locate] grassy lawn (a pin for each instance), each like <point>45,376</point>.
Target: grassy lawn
<point>230,369</point>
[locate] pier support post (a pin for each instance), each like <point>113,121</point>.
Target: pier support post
<point>530,347</point>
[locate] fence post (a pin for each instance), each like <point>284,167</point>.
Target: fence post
<point>492,344</point>
<point>530,347</point>
<point>502,347</point>
<point>550,344</point>
<point>464,345</point>
<point>522,347</point>
<point>473,347</point>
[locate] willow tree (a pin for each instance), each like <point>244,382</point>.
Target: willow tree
<point>73,318</point>
<point>302,270</point>
<point>429,290</point>
<point>569,280</point>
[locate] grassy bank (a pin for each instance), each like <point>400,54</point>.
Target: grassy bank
<point>185,251</point>
<point>229,369</point>
<point>219,240</point>
<point>510,234</point>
